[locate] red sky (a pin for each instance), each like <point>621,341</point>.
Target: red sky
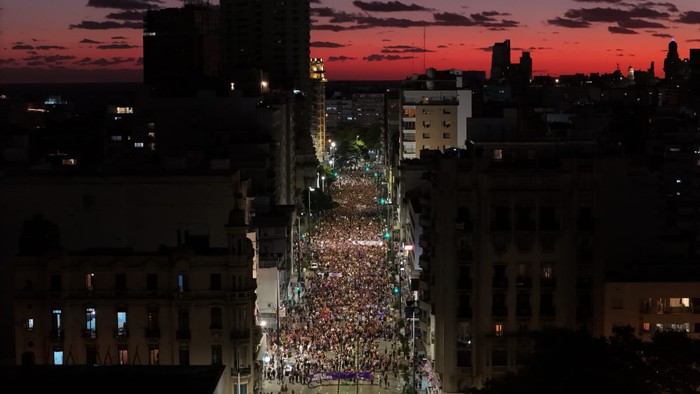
<point>100,40</point>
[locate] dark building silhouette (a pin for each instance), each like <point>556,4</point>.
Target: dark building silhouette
<point>500,60</point>
<point>181,47</point>
<point>672,62</point>
<point>272,36</point>
<point>525,66</point>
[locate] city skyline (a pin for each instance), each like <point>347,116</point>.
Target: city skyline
<point>101,40</point>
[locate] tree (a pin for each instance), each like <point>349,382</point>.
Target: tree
<point>565,361</point>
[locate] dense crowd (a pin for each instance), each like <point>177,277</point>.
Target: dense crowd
<point>345,321</point>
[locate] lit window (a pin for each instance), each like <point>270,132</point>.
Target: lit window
<point>69,162</point>
<point>89,281</point>
<point>646,327</point>
<point>498,154</point>
<point>138,144</point>
<point>116,138</point>
<point>58,356</point>
<point>499,329</point>
<point>122,354</point>
<point>30,324</point>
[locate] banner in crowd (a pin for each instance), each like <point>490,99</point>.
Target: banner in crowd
<point>341,376</point>
<point>368,243</point>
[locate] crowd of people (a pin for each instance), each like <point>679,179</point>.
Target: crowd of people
<point>345,321</point>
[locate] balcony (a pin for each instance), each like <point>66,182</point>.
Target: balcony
<point>57,334</point>
<point>548,283</point>
<point>183,334</point>
<point>523,282</point>
<point>547,311</point>
<point>499,283</point>
<point>151,333</point>
<point>240,335</point>
<point>464,313</point>
<point>499,311</point>
<point>90,333</point>
<point>121,332</point>
<point>523,311</point>
<point>464,284</point>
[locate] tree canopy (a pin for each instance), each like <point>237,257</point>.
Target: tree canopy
<point>569,362</point>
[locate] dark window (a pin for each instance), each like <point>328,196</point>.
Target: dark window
<point>55,284</point>
<point>91,354</point>
<point>501,221</point>
<point>120,281</point>
<point>499,358</point>
<point>184,355</point>
<point>152,281</point>
<point>183,319</point>
<point>216,355</point>
<point>215,282</point>
<point>215,318</point>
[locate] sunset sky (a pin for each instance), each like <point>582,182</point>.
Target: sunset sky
<point>101,40</point>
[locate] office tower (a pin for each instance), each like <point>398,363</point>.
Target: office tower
<point>695,62</point>
<point>181,47</point>
<point>318,106</point>
<point>525,67</point>
<point>672,62</point>
<point>500,60</point>
<point>272,36</point>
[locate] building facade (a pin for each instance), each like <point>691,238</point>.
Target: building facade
<point>187,305</point>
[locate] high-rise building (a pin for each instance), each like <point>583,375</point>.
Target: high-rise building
<point>672,62</point>
<point>500,60</point>
<point>181,47</point>
<point>318,106</point>
<point>272,36</point>
<point>525,66</point>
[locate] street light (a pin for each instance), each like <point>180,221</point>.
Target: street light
<point>323,183</point>
<point>311,189</point>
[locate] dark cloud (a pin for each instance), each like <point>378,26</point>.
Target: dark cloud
<point>126,15</point>
<point>85,60</point>
<point>119,38</point>
<point>451,18</point>
<point>22,47</point>
<point>93,25</point>
<point>9,60</point>
<point>125,4</point>
<point>112,62</point>
<point>337,19</point>
<point>377,58</point>
<point>340,58</point>
<point>640,24</point>
<point>89,41</point>
<point>598,1</point>
<point>670,7</point>
<point>404,49</point>
<point>691,17</point>
<point>570,23</point>
<point>442,46</point>
<point>620,30</point>
<point>48,47</point>
<point>325,44</point>
<point>119,45</point>
<point>389,6</point>
<point>614,14</point>
<point>139,61</point>
<point>329,27</point>
<point>662,35</point>
<point>58,58</point>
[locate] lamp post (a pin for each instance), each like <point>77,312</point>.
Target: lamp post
<point>323,183</point>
